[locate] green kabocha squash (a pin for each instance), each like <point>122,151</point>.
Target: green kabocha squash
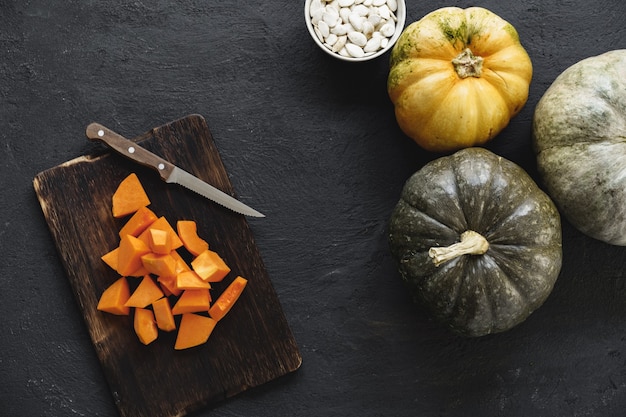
<point>477,242</point>
<point>579,136</point>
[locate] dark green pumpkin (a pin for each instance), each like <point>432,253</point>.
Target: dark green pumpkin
<point>502,284</point>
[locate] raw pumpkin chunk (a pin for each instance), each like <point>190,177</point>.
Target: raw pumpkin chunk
<point>145,294</point>
<point>145,326</point>
<point>129,197</point>
<point>162,224</point>
<point>192,301</point>
<point>194,330</point>
<point>131,250</point>
<point>161,265</point>
<point>160,241</point>
<point>166,291</point>
<point>110,258</point>
<point>190,280</point>
<point>181,264</point>
<point>163,315</point>
<point>210,266</point>
<point>227,299</point>
<point>139,222</point>
<point>168,285</point>
<point>140,272</point>
<point>188,234</point>
<point>114,297</point>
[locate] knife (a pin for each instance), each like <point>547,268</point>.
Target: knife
<point>169,172</point>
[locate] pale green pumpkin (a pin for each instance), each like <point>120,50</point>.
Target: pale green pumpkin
<point>579,136</point>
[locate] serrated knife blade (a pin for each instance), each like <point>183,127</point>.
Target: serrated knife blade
<point>169,172</point>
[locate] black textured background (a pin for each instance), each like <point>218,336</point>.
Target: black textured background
<point>311,142</point>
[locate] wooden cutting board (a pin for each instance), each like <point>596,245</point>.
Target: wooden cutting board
<point>250,346</point>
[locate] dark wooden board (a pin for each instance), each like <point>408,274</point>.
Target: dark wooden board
<point>250,346</point>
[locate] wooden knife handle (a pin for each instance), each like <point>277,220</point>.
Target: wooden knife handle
<point>129,149</point>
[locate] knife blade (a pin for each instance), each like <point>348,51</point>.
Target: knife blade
<point>169,172</point>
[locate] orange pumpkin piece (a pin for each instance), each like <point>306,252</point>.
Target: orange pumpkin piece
<point>145,294</point>
<point>160,241</point>
<point>161,224</point>
<point>188,233</point>
<point>131,250</point>
<point>168,285</point>
<point>192,301</point>
<point>181,264</point>
<point>210,266</point>
<point>161,265</point>
<point>139,222</point>
<point>114,297</point>
<point>227,299</point>
<point>163,315</point>
<point>190,280</point>
<point>110,258</point>
<point>140,272</point>
<point>129,197</point>
<point>145,326</point>
<point>194,330</point>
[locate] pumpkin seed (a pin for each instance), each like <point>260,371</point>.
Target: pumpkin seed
<point>340,44</point>
<point>357,38</point>
<point>331,39</point>
<point>372,45</point>
<point>388,29</point>
<point>354,50</point>
<point>323,28</point>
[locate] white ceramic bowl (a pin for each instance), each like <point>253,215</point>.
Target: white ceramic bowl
<point>400,15</point>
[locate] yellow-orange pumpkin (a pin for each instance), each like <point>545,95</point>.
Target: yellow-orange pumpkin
<point>457,77</point>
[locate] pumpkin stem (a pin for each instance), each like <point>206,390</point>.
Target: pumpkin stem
<point>472,243</point>
<point>466,64</point>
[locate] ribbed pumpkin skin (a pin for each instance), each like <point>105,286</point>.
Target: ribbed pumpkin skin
<point>579,136</point>
<point>434,105</point>
<point>474,189</point>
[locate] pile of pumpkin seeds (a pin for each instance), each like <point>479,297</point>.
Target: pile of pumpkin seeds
<point>354,28</point>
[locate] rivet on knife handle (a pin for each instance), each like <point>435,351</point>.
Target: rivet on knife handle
<point>168,171</point>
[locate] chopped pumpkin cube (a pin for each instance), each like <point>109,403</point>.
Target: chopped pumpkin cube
<point>194,330</point>
<point>145,326</point>
<point>160,241</point>
<point>192,301</point>
<point>131,250</point>
<point>145,294</point>
<point>190,280</point>
<point>210,266</point>
<point>161,224</point>
<point>188,233</point>
<point>181,264</point>
<point>161,265</point>
<point>114,297</point>
<point>163,315</point>
<point>140,272</point>
<point>168,284</point>
<point>227,299</point>
<point>110,258</point>
<point>139,222</point>
<point>129,197</point>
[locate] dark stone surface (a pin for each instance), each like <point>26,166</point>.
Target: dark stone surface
<point>311,142</point>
